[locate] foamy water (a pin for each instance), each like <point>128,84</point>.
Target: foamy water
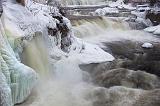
<point>64,88</point>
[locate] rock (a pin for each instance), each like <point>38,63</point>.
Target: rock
<point>149,98</point>
<point>154,17</point>
<point>122,96</point>
<point>1,9</point>
<point>22,2</point>
<point>133,56</point>
<point>147,45</point>
<point>128,78</point>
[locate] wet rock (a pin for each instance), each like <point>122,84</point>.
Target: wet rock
<point>122,96</point>
<point>22,2</point>
<point>147,45</point>
<point>1,9</point>
<point>150,98</point>
<point>154,17</point>
<point>125,48</point>
<point>128,78</point>
<point>135,57</point>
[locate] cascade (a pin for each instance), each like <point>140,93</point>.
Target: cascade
<point>109,30</point>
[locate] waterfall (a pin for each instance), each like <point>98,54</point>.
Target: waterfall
<point>31,57</point>
<point>108,30</point>
<point>35,55</point>
<point>90,28</point>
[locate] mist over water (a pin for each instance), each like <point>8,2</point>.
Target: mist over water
<point>63,85</point>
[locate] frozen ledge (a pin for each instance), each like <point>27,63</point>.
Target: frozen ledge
<point>154,29</point>
<point>90,53</point>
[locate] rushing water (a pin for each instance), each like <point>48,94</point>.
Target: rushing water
<point>108,30</point>
<point>36,49</point>
<point>64,87</point>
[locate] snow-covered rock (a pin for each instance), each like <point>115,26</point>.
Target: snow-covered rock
<point>147,45</point>
<point>153,29</point>
<point>120,4</point>
<point>106,10</point>
<point>88,53</point>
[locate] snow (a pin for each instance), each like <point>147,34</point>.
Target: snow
<point>88,53</point>
<point>139,14</point>
<point>117,3</point>
<point>120,4</point>
<point>106,10</point>
<point>147,45</point>
<point>153,29</point>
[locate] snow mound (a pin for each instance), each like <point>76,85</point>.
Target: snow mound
<point>147,45</point>
<point>106,10</point>
<point>120,4</point>
<point>88,53</point>
<point>154,29</point>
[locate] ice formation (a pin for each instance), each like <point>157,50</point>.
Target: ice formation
<point>18,78</point>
